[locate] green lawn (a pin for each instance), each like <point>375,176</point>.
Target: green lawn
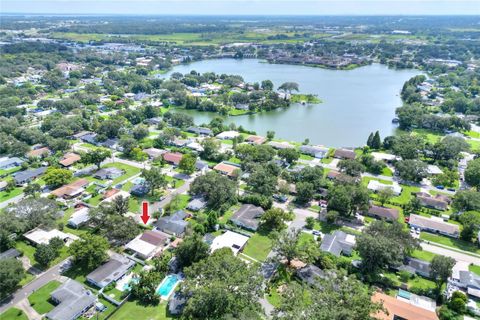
<point>423,255</point>
<point>228,214</point>
<point>451,242</point>
<point>13,314</point>
<point>306,157</point>
<point>129,171</point>
<point>387,172</point>
<point>258,246</point>
<point>406,194</point>
<point>9,171</point>
<point>475,269</point>
<point>29,252</point>
<point>132,309</point>
<point>472,134</point>
<point>40,299</point>
<point>4,195</point>
<point>366,180</point>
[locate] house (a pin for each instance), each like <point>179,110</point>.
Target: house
<point>248,217</point>
<point>227,168</point>
<point>417,301</point>
<point>200,131</point>
<point>72,300</point>
<point>154,153</point>
<point>201,166</point>
<point>69,158</point>
<point>416,266</point>
<point>280,145</point>
<point>310,273</point>
<point>433,169</point>
<point>112,194</point>
<point>391,214</point>
<point>39,236</point>
<point>468,281</point>
<point>335,175</point>
<point>399,309</point>
<point>108,173</point>
<point>173,224</point>
<point>39,153</point>
<point>72,189</point>
<point>10,254</point>
<point>140,190</point>
<point>173,158</point>
<point>154,121</point>
<point>337,243</point>
<point>111,144</point>
<point>235,241</point>
<point>148,244</point>
<point>85,171</point>
<point>81,134</point>
<point>113,270</point>
<point>196,204</point>
<point>386,157</point>
<point>256,139</point>
<point>195,146</point>
<point>79,217</point>
<point>345,154</point>
<point>8,163</point>
<point>376,186</point>
<point>3,185</point>
<point>314,151</point>
<point>434,224</point>
<point>179,143</point>
<point>27,176</point>
<point>431,202</point>
<point>90,138</point>
<point>227,135</point>
<point>242,106</point>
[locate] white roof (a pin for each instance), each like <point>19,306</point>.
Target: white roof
<point>433,169</point>
<point>195,146</point>
<point>229,239</point>
<point>142,247</point>
<point>228,134</point>
<point>376,185</point>
<point>80,216</point>
<point>383,156</point>
<point>40,236</point>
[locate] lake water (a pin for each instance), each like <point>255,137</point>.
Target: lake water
<point>355,102</point>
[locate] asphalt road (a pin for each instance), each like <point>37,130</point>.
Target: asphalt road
<point>458,256</point>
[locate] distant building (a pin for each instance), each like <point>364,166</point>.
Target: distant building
<point>314,151</point>
<point>148,244</point>
<point>227,135</point>
<point>8,163</point>
<point>173,158</point>
<point>40,236</point>
<point>376,186</point>
<point>398,309</point>
<point>256,139</point>
<point>154,153</point>
<point>345,154</point>
<point>228,169</point>
<point>200,131</point>
<point>72,189</point>
<point>79,217</point>
<point>108,173</point>
<point>280,145</point>
<point>27,176</point>
<point>196,204</point>
<point>39,153</point>
<point>69,158</point>
<point>310,274</point>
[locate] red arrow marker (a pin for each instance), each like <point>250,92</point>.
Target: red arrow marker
<point>145,217</point>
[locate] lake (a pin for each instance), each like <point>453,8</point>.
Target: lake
<point>355,102</point>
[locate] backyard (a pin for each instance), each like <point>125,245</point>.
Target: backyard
<point>141,312</point>
<point>40,299</point>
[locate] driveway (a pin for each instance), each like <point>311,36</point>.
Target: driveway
<point>51,274</point>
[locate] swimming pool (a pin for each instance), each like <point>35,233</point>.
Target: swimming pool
<point>167,286</point>
<point>128,285</point>
<point>138,180</point>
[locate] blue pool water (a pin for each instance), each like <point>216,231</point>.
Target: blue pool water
<point>138,180</point>
<point>128,286</point>
<point>166,286</point>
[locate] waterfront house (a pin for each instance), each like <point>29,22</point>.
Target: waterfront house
<point>345,154</point>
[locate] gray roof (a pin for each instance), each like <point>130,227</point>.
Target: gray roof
<point>248,216</point>
<point>417,266</point>
<point>173,224</point>
<point>89,138</point>
<point>112,270</point>
<point>310,273</point>
<point>25,176</point>
<point>10,254</point>
<point>201,165</point>
<point>73,299</point>
<point>10,162</point>
<point>108,173</point>
<point>336,243</point>
<point>469,279</point>
<point>200,130</point>
<point>177,303</point>
<point>196,204</point>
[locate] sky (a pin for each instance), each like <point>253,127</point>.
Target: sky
<point>244,7</point>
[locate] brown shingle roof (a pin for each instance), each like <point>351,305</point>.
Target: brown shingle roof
<point>398,308</point>
<point>39,152</point>
<point>69,159</point>
<point>174,158</point>
<point>345,153</point>
<point>71,188</point>
<point>385,213</point>
<point>226,168</point>
<point>154,237</point>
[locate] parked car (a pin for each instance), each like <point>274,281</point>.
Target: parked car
<point>440,187</point>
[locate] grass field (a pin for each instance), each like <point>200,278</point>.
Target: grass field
<point>132,309</point>
<point>129,171</point>
<point>40,299</point>
<point>406,194</point>
<point>475,269</point>
<point>451,242</point>
<point>13,314</point>
<point>423,255</point>
<point>258,246</point>
<point>4,195</point>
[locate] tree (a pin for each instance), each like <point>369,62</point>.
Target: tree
<point>120,205</point>
<point>370,140</point>
<point>140,132</point>
<point>267,85</point>
<point>270,135</point>
<point>411,170</point>
<point>351,167</point>
<point>305,192</point>
<point>90,251</point>
<point>275,218</point>
<point>408,146</point>
<point>288,87</point>
<point>441,269</point>
<point>384,244</point>
<point>222,286</point>
<point>310,223</point>
<point>211,149</point>
<point>286,246</point>
<point>154,178</point>
<point>32,189</point>
<point>45,254</point>
<point>145,290</point>
<point>290,155</point>
<point>54,177</point>
<point>470,221</point>
<point>30,213</point>
<point>191,250</point>
<point>219,191</point>
<point>466,200</point>
<point>11,273</point>
<point>187,164</point>
<point>383,195</point>
<point>348,199</point>
<point>448,178</point>
<point>128,146</point>
<point>10,185</point>
<point>458,302</point>
<point>262,181</point>
<point>336,296</point>
<point>96,157</point>
<point>376,141</point>
<point>449,148</point>
<point>472,173</point>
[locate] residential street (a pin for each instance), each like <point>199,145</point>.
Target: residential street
<point>51,274</point>
<point>450,253</point>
